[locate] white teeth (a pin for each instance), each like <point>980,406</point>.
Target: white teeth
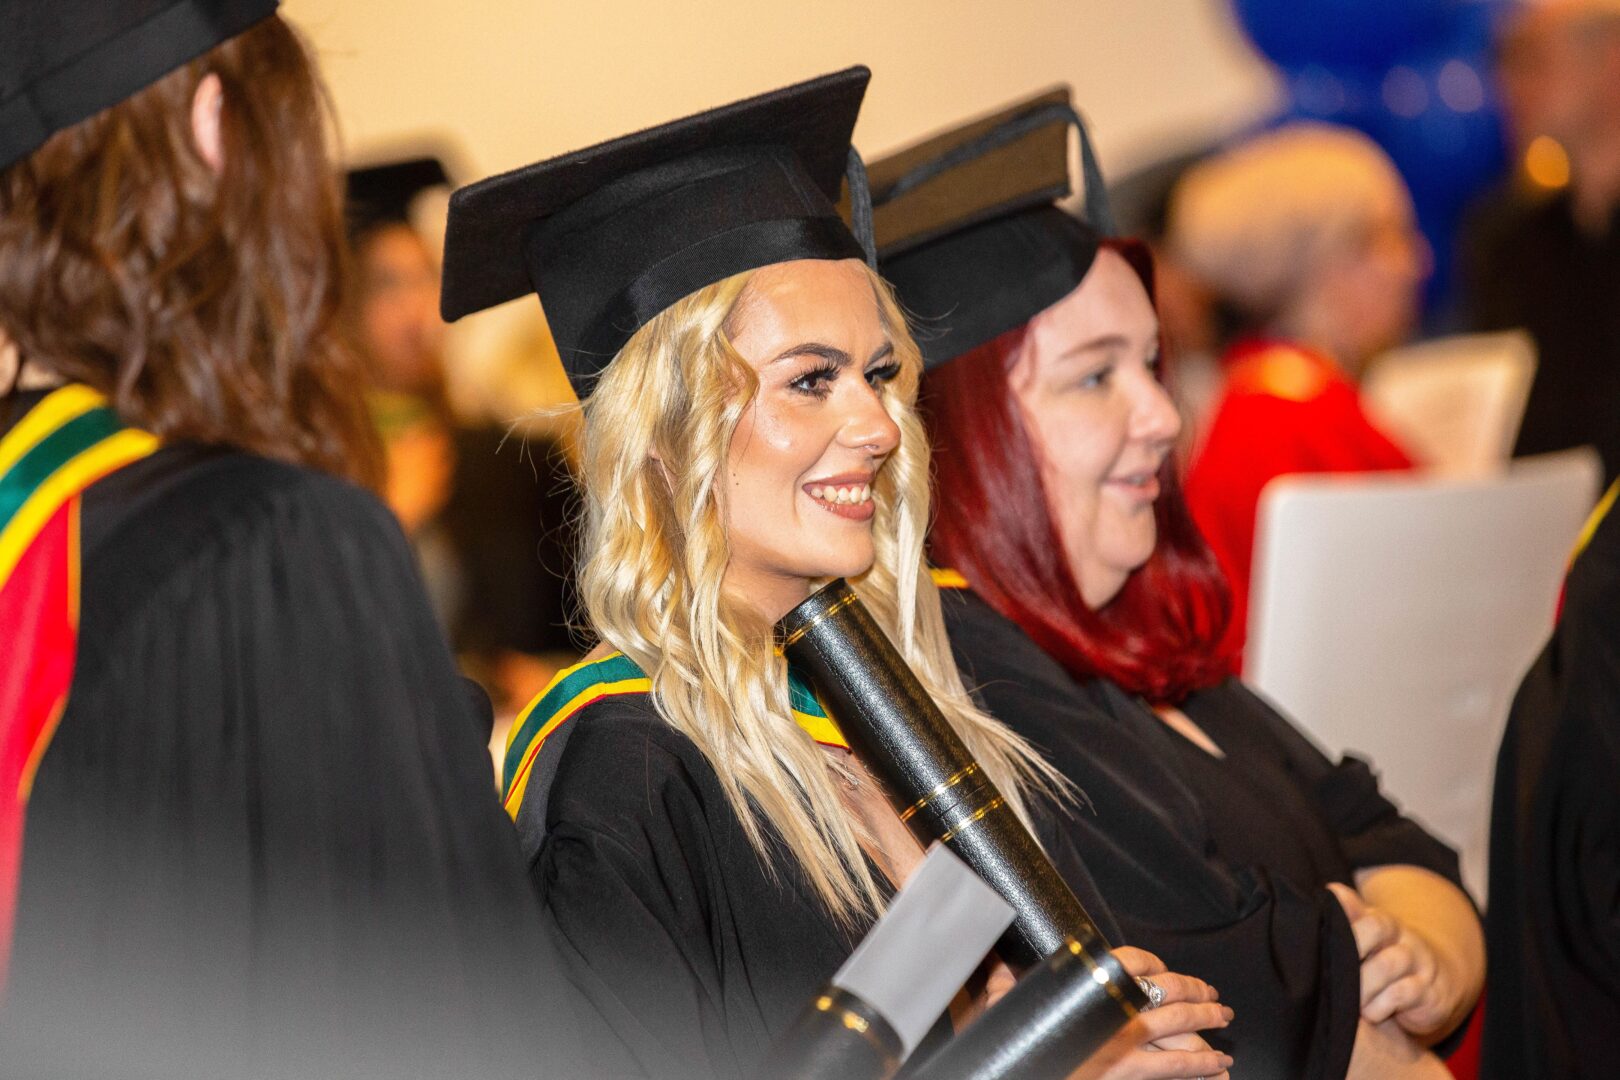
<point>842,496</point>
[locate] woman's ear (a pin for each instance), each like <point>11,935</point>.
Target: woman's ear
<point>206,105</point>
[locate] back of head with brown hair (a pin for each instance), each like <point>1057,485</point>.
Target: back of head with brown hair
<point>204,303</point>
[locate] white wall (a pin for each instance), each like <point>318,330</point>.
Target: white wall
<point>507,82</point>
<point>516,80</point>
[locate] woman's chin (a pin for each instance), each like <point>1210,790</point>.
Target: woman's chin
<point>851,566</point>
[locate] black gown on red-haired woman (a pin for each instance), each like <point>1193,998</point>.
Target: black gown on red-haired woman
<point>1216,863</point>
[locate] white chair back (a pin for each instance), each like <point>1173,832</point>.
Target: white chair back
<point>1393,616</point>
<point>1455,402</point>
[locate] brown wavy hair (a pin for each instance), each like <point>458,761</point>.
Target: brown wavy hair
<point>205,304</point>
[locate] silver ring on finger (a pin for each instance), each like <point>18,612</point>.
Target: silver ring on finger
<point>1153,991</point>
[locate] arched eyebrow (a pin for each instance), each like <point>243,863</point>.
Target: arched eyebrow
<point>830,353</point>
<point>1105,343</point>
<point>814,348</point>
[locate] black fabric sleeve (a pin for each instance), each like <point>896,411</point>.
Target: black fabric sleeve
<point>628,875</point>
<point>1370,828</point>
<point>1285,961</point>
<point>266,838</point>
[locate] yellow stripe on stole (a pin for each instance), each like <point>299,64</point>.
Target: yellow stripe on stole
<point>54,411</point>
<point>1595,519</point>
<point>74,475</point>
<point>821,729</point>
<point>520,784</point>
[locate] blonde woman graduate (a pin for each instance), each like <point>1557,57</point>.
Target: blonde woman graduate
<point>702,840</point>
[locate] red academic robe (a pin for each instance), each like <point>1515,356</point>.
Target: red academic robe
<point>1284,409</point>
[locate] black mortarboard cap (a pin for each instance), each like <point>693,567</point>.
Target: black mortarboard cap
<point>382,194</point>
<point>968,230</point>
<point>63,61</point>
<point>612,235</point>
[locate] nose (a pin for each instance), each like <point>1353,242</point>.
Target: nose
<point>868,426</point>
<point>1154,417</point>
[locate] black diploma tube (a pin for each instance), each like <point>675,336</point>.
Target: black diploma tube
<point>838,1036</point>
<point>881,1003</point>
<point>937,787</point>
<point>1057,1016</point>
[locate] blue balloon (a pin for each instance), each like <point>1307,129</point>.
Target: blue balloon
<point>1432,107</point>
<point>1336,34</point>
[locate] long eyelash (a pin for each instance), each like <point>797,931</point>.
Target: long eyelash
<point>812,382</point>
<point>885,373</point>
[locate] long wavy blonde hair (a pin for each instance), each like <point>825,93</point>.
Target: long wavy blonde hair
<point>658,429</point>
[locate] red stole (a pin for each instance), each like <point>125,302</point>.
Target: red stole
<point>60,447</point>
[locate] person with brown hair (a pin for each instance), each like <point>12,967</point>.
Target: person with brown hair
<point>246,826</point>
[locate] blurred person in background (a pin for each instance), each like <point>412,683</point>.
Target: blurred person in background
<point>245,820</point>
<point>1306,236</point>
<point>1553,931</point>
<point>489,512</point>
<point>1086,610</point>
<point>1545,255</point>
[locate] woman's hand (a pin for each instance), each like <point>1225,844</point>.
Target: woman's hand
<point>1163,1043</point>
<point>1402,977</point>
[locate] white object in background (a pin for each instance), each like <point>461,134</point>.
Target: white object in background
<point>1454,403</point>
<point>1394,615</point>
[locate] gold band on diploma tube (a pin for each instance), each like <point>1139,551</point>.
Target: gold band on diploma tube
<point>1100,974</point>
<point>832,609</point>
<point>978,815</point>
<point>949,783</point>
<point>851,1020</point>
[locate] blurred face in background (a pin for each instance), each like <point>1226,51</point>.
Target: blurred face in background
<point>400,326</point>
<point>1371,289</point>
<point>1559,67</point>
<point>1101,423</point>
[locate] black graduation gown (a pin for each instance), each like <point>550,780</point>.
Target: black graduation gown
<point>263,841</point>
<point>1553,927</point>
<point>696,952</point>
<point>1219,867</point>
<point>510,522</point>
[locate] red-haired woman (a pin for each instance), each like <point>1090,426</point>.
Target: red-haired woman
<point>1089,613</point>
<point>260,837</point>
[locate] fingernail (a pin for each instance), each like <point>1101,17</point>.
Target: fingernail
<point>1226,1011</point>
<point>1226,1061</point>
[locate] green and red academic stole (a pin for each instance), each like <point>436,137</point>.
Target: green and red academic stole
<point>578,686</point>
<point>61,446</point>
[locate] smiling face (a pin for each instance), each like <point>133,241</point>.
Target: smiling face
<point>806,452</point>
<point>1100,422</point>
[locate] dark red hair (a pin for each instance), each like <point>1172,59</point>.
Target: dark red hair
<point>1160,637</point>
